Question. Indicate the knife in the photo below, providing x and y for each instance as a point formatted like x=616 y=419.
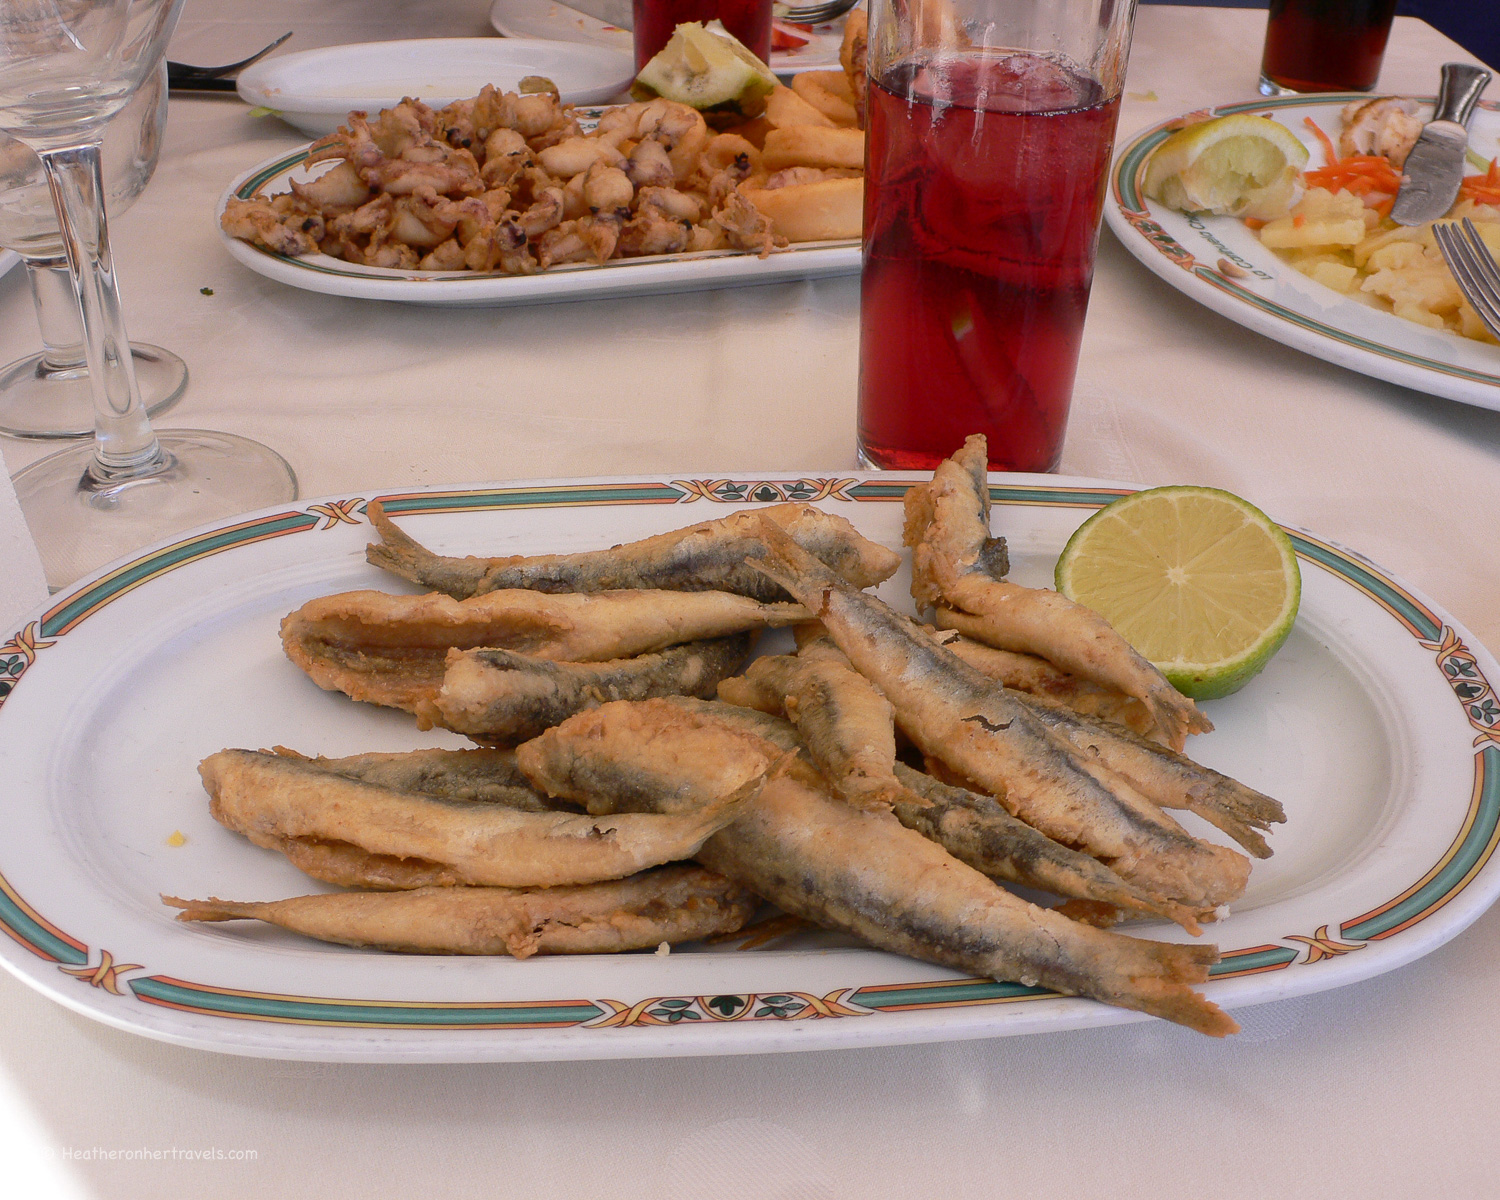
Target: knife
x=1435 y=166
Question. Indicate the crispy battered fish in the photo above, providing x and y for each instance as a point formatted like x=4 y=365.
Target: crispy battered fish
x=1169 y=779
x=706 y=557
x=500 y=696
x=1036 y=676
x=393 y=650
x=845 y=868
x=963 y=719
x=673 y=904
x=948 y=530
x=485 y=776
x=847 y=726
x=271 y=798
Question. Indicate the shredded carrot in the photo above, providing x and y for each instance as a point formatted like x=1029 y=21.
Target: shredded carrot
x=1333 y=155
x=1299 y=220
x=1383 y=207
x=1253 y=222
x=1358 y=173
x=1483 y=189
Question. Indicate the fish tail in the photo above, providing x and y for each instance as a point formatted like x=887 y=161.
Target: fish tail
x=1165 y=988
x=396 y=552
x=213 y=909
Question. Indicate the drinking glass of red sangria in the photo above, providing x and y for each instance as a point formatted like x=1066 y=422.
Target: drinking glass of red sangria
x=990 y=125
x=1324 y=45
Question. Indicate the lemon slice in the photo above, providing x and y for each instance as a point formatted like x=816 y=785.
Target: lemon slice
x=1236 y=166
x=708 y=68
x=1201 y=582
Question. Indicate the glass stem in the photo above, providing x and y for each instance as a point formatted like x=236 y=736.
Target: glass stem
x=124 y=446
x=56 y=313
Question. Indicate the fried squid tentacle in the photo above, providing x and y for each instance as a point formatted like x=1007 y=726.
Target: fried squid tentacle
x=502 y=697
x=673 y=904
x=706 y=557
x=948 y=531
x=270 y=799
x=977 y=729
x=855 y=870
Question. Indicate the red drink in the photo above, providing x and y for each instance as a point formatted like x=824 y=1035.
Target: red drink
x=748 y=20
x=1325 y=45
x=983 y=193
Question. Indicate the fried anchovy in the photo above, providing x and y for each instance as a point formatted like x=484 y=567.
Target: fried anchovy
x=979 y=730
x=706 y=557
x=847 y=726
x=503 y=697
x=485 y=776
x=269 y=799
x=1170 y=779
x=393 y=650
x=1036 y=676
x=855 y=870
x=673 y=904
x=948 y=527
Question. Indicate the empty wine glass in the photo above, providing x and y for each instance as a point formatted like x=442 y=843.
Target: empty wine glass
x=46 y=395
x=67 y=67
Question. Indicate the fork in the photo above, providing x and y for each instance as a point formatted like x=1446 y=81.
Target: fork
x=180 y=76
x=1474 y=268
x=814 y=14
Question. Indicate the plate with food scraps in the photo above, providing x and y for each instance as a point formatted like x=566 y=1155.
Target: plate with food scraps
x=649 y=275
x=1221 y=263
x=795 y=48
x=314 y=90
x=1377 y=726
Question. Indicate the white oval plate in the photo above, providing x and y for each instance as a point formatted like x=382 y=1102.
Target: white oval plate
x=1377 y=727
x=571 y=281
x=550 y=19
x=314 y=90
x=1280 y=302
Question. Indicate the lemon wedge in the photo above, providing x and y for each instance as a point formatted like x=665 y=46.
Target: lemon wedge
x=708 y=68
x=1236 y=166
x=1200 y=582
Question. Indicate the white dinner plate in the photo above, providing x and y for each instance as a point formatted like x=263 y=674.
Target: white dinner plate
x=1377 y=726
x=571 y=281
x=315 y=90
x=559 y=22
x=1275 y=300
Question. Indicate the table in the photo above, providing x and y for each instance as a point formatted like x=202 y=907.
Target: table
x=1382 y=1089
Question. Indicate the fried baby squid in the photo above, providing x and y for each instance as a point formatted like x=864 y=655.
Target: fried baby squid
x=271 y=799
x=948 y=530
x=393 y=650
x=1038 y=677
x=984 y=735
x=862 y=872
x=705 y=557
x=1169 y=779
x=503 y=697
x=847 y=726
x=672 y=904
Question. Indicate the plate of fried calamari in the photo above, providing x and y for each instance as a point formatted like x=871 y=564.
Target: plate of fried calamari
x=665 y=766
x=517 y=198
x=1334 y=277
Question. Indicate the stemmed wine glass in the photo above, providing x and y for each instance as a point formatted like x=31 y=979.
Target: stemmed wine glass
x=67 y=67
x=46 y=395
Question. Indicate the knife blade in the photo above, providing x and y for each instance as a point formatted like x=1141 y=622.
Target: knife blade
x=1435 y=167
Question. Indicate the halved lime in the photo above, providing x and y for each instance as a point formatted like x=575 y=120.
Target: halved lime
x=1202 y=583
x=708 y=68
x=1238 y=166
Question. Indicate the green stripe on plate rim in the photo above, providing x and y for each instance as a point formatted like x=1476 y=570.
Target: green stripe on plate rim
x=1127 y=192
x=1431 y=895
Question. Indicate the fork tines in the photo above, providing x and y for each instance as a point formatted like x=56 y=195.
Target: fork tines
x=1474 y=268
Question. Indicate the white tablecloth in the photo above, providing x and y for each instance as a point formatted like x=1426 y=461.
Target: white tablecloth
x=1382 y=1089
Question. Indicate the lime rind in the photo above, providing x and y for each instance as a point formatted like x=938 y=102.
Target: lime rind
x=1087 y=557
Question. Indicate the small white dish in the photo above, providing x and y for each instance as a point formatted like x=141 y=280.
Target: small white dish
x=1271 y=297
x=315 y=90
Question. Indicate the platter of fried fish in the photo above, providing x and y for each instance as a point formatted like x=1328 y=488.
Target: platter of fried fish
x=661 y=766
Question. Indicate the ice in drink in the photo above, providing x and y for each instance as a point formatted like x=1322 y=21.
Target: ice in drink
x=1325 y=45
x=984 y=186
x=748 y=20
